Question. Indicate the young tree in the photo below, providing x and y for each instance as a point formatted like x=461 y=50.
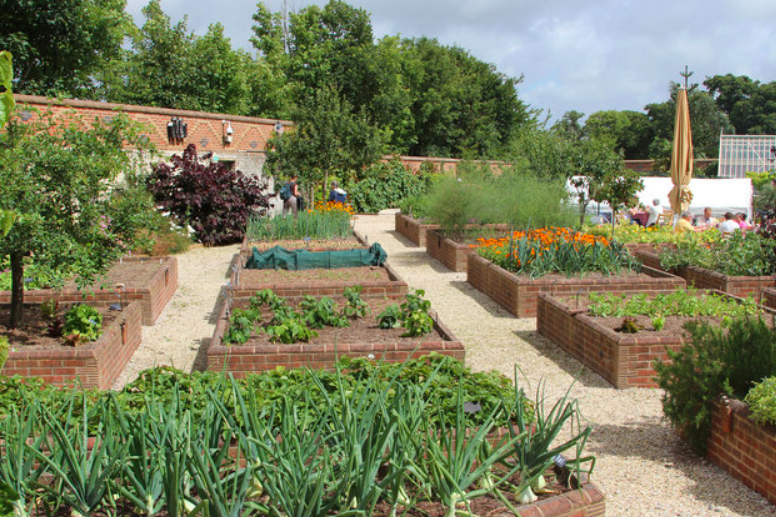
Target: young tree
x=595 y=164
x=57 y=176
x=618 y=190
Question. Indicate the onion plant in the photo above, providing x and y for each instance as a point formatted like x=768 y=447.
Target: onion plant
x=19 y=470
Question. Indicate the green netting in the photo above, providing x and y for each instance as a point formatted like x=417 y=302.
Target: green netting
x=281 y=258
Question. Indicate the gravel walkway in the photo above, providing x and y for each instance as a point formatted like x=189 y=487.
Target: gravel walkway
x=644 y=469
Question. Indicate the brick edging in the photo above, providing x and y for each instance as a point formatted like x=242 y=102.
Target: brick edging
x=97 y=367
x=454 y=255
x=413 y=229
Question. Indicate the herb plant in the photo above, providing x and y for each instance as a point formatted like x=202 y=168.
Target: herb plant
x=355 y=306
x=391 y=317
x=741 y=254
x=685 y=303
x=83 y=323
x=322 y=313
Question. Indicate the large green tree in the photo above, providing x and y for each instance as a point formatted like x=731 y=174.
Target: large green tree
x=631 y=131
x=61 y=45
x=57 y=177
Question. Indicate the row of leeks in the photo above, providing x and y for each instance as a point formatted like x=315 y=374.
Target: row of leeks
x=342 y=459
x=316 y=225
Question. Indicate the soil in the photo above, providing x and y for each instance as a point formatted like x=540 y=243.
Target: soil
x=624 y=273
x=674 y=325
x=304 y=277
x=131 y=273
x=361 y=330
x=313 y=245
x=33 y=334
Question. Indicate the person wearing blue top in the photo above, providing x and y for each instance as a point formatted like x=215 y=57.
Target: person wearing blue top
x=336 y=194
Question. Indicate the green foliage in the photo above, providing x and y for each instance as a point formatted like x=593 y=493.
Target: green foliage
x=715 y=361
x=391 y=317
x=315 y=224
x=635 y=234
x=60 y=176
x=385 y=185
x=321 y=313
x=4 y=348
x=60 y=46
x=685 y=303
x=630 y=130
x=355 y=306
x=741 y=254
x=629 y=326
x=7 y=102
x=453 y=204
x=83 y=323
x=762 y=401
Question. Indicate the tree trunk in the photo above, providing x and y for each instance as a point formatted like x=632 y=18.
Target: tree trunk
x=17 y=290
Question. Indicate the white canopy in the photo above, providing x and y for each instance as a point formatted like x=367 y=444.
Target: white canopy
x=721 y=195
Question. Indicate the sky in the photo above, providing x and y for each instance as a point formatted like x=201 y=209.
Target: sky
x=583 y=55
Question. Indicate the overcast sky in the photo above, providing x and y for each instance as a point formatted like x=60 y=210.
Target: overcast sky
x=585 y=55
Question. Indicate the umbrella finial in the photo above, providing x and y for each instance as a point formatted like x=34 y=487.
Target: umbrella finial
x=686 y=74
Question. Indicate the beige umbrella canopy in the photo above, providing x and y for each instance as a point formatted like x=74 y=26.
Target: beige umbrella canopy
x=681 y=156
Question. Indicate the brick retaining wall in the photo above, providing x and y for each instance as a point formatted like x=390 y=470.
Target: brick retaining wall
x=517 y=294
x=98 y=367
x=153 y=297
x=588 y=501
x=740 y=286
x=743 y=448
x=242 y=359
x=413 y=229
x=452 y=254
x=768 y=297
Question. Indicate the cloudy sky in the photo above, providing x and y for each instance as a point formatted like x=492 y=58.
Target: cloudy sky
x=586 y=55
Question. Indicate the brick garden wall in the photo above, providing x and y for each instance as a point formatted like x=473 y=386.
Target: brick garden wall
x=518 y=294
x=413 y=229
x=97 y=367
x=452 y=254
x=743 y=448
x=769 y=297
x=152 y=297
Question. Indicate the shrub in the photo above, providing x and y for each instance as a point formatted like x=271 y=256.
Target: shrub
x=762 y=401
x=715 y=361
x=214 y=201
x=385 y=185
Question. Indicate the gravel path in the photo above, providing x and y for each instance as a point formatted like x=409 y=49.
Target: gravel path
x=182 y=333
x=644 y=469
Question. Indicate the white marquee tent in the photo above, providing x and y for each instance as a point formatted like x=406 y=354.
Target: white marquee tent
x=722 y=195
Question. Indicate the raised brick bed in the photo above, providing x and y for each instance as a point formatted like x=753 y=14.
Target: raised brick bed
x=413 y=229
x=247 y=246
x=768 y=297
x=153 y=296
x=587 y=501
x=517 y=294
x=742 y=447
x=454 y=255
x=624 y=360
x=650 y=247
x=240 y=289
x=96 y=367
x=242 y=359
x=741 y=286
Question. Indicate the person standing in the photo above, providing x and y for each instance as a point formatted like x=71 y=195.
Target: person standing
x=654 y=212
x=336 y=194
x=291 y=195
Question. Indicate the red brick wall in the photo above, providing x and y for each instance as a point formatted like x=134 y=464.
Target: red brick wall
x=412 y=229
x=769 y=297
x=241 y=360
x=152 y=297
x=249 y=133
x=518 y=294
x=452 y=254
x=97 y=367
x=743 y=448
x=587 y=501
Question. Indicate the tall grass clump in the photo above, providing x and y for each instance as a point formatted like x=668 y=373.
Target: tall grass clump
x=313 y=224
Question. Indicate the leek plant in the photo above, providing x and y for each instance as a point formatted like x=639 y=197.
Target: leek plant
x=532 y=447
x=85 y=474
x=452 y=459
x=18 y=470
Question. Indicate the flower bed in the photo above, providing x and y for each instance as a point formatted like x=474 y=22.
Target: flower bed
x=153 y=292
x=413 y=229
x=626 y=360
x=518 y=294
x=95 y=366
x=743 y=448
x=701 y=278
x=454 y=255
x=258 y=354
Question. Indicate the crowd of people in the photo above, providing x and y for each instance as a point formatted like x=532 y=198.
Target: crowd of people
x=650 y=216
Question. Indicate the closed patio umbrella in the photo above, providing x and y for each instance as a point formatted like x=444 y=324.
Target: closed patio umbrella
x=681 y=156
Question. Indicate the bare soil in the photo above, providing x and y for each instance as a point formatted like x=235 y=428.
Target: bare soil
x=312 y=245
x=302 y=277
x=34 y=335
x=133 y=274
x=361 y=330
x=674 y=325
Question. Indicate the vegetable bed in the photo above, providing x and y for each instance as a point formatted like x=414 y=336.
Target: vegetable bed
x=620 y=336
x=151 y=281
x=96 y=364
x=269 y=331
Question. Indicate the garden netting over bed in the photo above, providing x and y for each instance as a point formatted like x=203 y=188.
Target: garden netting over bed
x=281 y=258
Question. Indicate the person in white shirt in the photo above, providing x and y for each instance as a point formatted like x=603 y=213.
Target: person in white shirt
x=706 y=220
x=729 y=225
x=654 y=212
